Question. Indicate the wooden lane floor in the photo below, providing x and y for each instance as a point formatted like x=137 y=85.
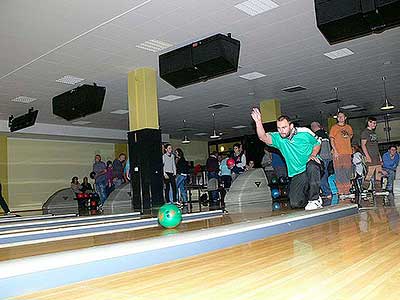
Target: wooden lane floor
x=357 y=257
x=14 y=252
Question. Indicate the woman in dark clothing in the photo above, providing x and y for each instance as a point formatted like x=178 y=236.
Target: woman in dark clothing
x=86 y=186
x=182 y=169
x=3 y=202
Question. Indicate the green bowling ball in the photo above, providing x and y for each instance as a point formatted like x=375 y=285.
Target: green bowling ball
x=169 y=216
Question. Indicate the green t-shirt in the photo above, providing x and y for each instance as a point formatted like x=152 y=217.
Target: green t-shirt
x=296 y=150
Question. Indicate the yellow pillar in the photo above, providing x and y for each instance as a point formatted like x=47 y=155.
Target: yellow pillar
x=142 y=99
x=120 y=148
x=4 y=166
x=270 y=110
x=331 y=121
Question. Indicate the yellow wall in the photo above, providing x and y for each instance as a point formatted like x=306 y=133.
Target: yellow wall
x=4 y=166
x=38 y=168
x=196 y=151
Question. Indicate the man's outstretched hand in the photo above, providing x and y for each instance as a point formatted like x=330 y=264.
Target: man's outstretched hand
x=256 y=115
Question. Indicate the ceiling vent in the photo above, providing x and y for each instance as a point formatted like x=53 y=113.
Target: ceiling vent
x=218 y=106
x=330 y=101
x=292 y=89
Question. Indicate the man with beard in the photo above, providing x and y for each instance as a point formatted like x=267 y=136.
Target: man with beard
x=299 y=146
x=369 y=145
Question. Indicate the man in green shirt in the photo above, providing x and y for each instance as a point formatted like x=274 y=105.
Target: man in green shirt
x=299 y=146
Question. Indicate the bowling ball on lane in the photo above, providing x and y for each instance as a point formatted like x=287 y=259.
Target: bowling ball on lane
x=169 y=216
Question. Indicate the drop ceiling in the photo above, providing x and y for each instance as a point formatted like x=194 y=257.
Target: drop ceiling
x=44 y=40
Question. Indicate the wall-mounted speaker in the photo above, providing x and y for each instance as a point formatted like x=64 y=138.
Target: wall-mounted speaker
x=79 y=102
x=200 y=61
x=341 y=20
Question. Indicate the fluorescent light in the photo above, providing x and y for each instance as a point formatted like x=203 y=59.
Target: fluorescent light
x=69 y=79
x=339 y=53
x=120 y=112
x=239 y=127
x=350 y=106
x=185 y=140
x=214 y=135
x=252 y=75
x=201 y=133
x=81 y=122
x=23 y=99
x=171 y=98
x=256 y=7
x=154 y=45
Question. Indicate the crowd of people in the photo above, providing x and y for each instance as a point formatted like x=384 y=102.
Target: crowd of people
x=106 y=175
x=312 y=156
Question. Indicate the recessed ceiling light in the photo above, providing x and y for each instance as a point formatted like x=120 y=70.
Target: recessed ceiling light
x=171 y=98
x=350 y=106
x=339 y=53
x=120 y=111
x=81 y=122
x=218 y=105
x=330 y=101
x=201 y=133
x=252 y=75
x=69 y=79
x=23 y=99
x=292 y=89
x=358 y=109
x=239 y=127
x=154 y=45
x=256 y=7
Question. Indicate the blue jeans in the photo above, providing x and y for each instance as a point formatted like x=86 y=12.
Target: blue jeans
x=101 y=190
x=180 y=184
x=390 y=179
x=326 y=191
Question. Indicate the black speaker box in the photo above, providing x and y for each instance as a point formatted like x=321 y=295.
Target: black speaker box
x=79 y=102
x=341 y=20
x=23 y=121
x=200 y=61
x=146 y=168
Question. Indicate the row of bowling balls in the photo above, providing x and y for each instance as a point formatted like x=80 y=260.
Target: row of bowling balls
x=279 y=192
x=283 y=180
x=279 y=205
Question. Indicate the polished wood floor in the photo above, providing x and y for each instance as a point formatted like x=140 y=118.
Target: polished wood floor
x=353 y=258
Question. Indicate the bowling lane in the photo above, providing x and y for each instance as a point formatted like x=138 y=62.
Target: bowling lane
x=252 y=213
x=352 y=258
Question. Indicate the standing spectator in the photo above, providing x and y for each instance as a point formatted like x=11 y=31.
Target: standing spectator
x=100 y=169
x=169 y=173
x=118 y=170
x=109 y=178
x=240 y=161
x=360 y=169
x=182 y=170
x=86 y=186
x=390 y=163
x=369 y=144
x=3 y=202
x=127 y=171
x=75 y=186
x=325 y=154
x=266 y=163
x=225 y=172
x=341 y=135
x=212 y=166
